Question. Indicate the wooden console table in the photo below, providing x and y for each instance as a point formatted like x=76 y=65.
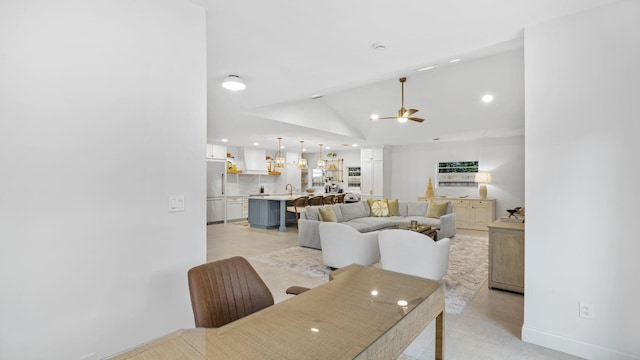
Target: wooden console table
x=506 y=256
x=362 y=313
x=471 y=213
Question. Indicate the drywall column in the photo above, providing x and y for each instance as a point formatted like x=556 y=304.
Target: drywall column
x=581 y=129
x=102 y=118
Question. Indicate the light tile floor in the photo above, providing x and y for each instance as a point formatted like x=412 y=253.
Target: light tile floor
x=489 y=328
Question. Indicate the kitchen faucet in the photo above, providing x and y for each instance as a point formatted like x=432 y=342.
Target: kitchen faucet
x=290 y=188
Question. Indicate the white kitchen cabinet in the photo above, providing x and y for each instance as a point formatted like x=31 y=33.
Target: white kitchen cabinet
x=375 y=174
x=235 y=210
x=372 y=154
x=215 y=210
x=216 y=151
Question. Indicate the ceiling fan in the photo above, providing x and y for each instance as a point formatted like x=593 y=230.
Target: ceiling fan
x=405 y=114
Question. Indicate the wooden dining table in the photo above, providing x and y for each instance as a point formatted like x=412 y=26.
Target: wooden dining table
x=362 y=313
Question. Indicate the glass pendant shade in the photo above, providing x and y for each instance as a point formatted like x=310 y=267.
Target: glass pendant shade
x=321 y=162
x=279 y=160
x=302 y=162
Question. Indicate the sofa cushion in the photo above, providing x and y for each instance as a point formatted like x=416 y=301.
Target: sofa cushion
x=327 y=214
x=417 y=208
x=368 y=224
x=353 y=210
x=337 y=212
x=402 y=209
x=394 y=208
x=313 y=213
x=379 y=208
x=436 y=209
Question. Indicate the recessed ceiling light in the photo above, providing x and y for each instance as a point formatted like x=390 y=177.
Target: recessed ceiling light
x=380 y=45
x=487 y=98
x=428 y=67
x=454 y=61
x=256 y=144
x=327 y=147
x=233 y=83
x=355 y=145
x=281 y=146
x=375 y=116
x=316 y=96
x=224 y=140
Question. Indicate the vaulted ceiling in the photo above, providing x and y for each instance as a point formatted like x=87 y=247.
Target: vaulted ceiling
x=287 y=50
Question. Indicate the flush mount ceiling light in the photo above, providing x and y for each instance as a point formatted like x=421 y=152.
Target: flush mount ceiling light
x=487 y=98
x=302 y=162
x=233 y=83
x=279 y=159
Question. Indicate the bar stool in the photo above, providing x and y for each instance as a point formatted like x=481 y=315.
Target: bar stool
x=328 y=199
x=297 y=206
x=315 y=200
x=339 y=199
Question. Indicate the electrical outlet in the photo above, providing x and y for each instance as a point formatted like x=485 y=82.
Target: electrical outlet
x=586 y=310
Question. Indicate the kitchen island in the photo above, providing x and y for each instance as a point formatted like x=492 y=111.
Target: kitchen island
x=269 y=211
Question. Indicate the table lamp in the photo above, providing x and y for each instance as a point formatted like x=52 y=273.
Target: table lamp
x=483 y=178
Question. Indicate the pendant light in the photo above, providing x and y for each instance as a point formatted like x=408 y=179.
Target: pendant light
x=321 y=162
x=302 y=162
x=280 y=162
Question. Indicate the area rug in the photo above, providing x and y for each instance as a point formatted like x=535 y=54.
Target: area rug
x=468 y=263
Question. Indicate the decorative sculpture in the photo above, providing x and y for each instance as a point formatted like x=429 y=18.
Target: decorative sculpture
x=429 y=194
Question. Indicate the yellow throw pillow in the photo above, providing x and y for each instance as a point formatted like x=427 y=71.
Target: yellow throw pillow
x=327 y=214
x=379 y=208
x=394 y=209
x=435 y=210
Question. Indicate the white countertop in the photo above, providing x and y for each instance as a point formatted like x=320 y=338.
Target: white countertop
x=276 y=197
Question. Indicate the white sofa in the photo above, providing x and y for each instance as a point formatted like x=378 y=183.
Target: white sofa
x=357 y=216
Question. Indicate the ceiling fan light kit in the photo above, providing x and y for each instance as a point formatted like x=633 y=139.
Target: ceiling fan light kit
x=404 y=114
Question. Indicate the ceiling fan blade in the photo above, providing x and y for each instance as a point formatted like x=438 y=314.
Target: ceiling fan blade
x=411 y=112
x=391 y=117
x=416 y=119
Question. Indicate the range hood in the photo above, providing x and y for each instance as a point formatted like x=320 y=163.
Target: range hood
x=254 y=161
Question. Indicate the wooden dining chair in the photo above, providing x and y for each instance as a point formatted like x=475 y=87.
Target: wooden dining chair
x=339 y=199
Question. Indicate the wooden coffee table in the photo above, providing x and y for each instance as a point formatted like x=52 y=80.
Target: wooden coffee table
x=423 y=229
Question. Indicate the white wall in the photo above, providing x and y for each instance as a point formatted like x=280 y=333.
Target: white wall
x=582 y=125
x=102 y=116
x=412 y=165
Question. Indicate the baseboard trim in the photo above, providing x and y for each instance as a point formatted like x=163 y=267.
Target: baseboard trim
x=572 y=346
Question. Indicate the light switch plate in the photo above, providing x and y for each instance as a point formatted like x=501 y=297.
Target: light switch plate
x=176 y=203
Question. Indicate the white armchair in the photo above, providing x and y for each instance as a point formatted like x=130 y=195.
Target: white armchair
x=413 y=253
x=343 y=245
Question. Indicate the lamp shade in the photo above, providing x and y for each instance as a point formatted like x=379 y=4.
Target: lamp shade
x=483 y=177
x=233 y=83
